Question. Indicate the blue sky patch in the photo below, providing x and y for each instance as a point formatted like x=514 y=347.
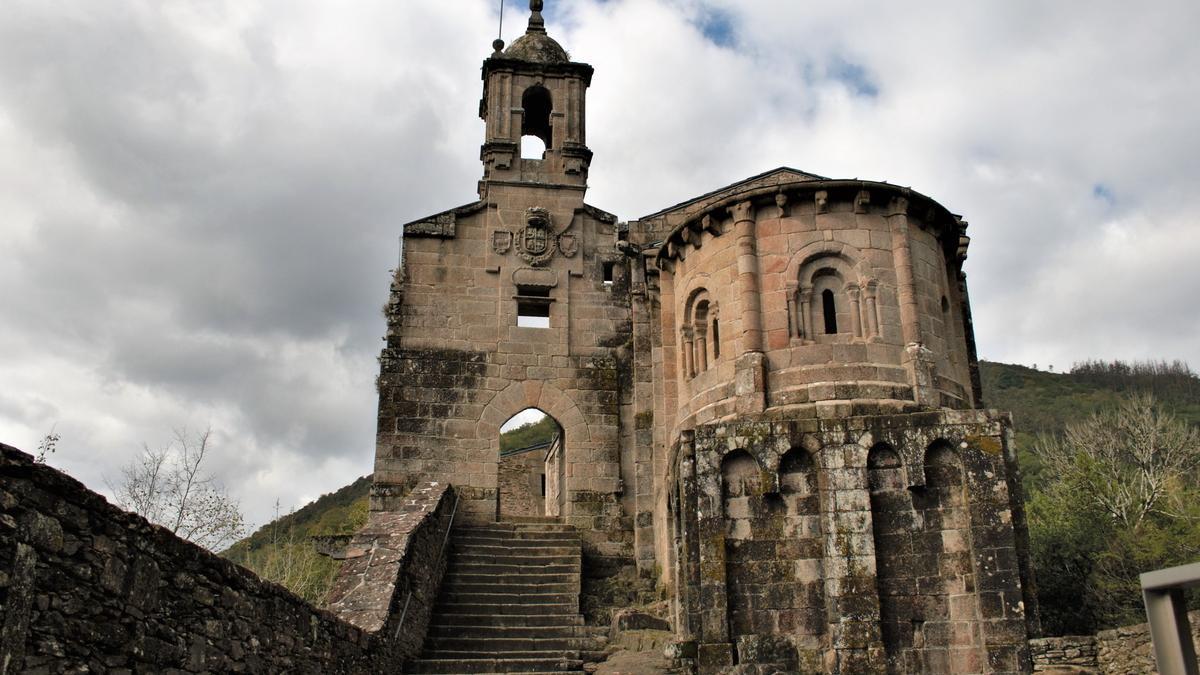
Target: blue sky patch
x=717 y=26
x=854 y=76
x=1104 y=193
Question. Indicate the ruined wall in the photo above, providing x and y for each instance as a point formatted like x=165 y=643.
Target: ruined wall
x=86 y=586
x=862 y=544
x=523 y=483
x=392 y=571
x=1119 y=651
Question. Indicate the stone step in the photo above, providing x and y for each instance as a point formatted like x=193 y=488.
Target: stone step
x=501 y=586
x=546 y=664
x=489 y=620
x=499 y=548
x=532 y=519
x=491 y=567
x=451 y=597
x=449 y=630
x=511 y=529
x=527 y=577
x=506 y=645
x=516 y=532
x=448 y=608
x=471 y=655
x=514 y=543
x=511 y=558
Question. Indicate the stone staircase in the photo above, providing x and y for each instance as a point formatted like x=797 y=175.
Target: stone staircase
x=510 y=603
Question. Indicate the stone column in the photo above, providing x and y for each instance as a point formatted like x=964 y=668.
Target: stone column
x=850 y=572
x=714 y=650
x=750 y=379
x=747 y=267
x=795 y=328
x=917 y=358
x=806 y=314
x=701 y=349
x=872 y=312
x=689 y=367
x=688 y=555
x=855 y=310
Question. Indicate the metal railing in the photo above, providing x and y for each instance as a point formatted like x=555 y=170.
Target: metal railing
x=1166 y=610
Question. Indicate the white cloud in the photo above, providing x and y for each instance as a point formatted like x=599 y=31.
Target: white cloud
x=201 y=201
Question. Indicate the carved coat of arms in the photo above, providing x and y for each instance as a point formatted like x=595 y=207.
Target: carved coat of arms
x=535 y=243
x=501 y=241
x=567 y=245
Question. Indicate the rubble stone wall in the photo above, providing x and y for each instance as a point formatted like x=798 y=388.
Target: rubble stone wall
x=85 y=586
x=1121 y=651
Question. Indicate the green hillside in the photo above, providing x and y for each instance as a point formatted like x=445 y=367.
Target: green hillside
x=281 y=550
x=1044 y=403
x=1086 y=559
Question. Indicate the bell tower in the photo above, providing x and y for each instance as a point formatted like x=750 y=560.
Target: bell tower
x=534 y=109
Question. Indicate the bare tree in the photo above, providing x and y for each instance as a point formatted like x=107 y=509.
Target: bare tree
x=169 y=487
x=47 y=446
x=1129 y=461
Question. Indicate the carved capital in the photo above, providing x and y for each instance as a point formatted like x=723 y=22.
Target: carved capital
x=781 y=200
x=742 y=211
x=898 y=207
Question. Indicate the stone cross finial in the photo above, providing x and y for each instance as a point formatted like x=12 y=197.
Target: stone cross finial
x=536 y=23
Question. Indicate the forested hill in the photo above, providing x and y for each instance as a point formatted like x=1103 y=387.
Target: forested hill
x=1043 y=403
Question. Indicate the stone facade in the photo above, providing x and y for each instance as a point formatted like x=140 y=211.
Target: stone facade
x=768 y=394
x=87 y=587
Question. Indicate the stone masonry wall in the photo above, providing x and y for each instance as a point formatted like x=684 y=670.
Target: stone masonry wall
x=1120 y=651
x=459 y=363
x=393 y=569
x=87 y=587
x=522 y=483
x=863 y=544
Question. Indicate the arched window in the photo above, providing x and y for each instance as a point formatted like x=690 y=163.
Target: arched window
x=834 y=301
x=829 y=312
x=696 y=340
x=535 y=122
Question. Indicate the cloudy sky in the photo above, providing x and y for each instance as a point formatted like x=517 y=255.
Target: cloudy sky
x=200 y=200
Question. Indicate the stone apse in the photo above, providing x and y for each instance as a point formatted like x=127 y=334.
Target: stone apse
x=768 y=395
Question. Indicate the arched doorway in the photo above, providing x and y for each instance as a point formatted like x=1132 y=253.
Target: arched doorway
x=532 y=470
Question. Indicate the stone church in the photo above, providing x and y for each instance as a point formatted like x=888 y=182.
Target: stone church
x=768 y=396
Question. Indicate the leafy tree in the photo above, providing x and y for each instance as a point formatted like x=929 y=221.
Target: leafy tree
x=169 y=487
x=1121 y=497
x=1124 y=460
